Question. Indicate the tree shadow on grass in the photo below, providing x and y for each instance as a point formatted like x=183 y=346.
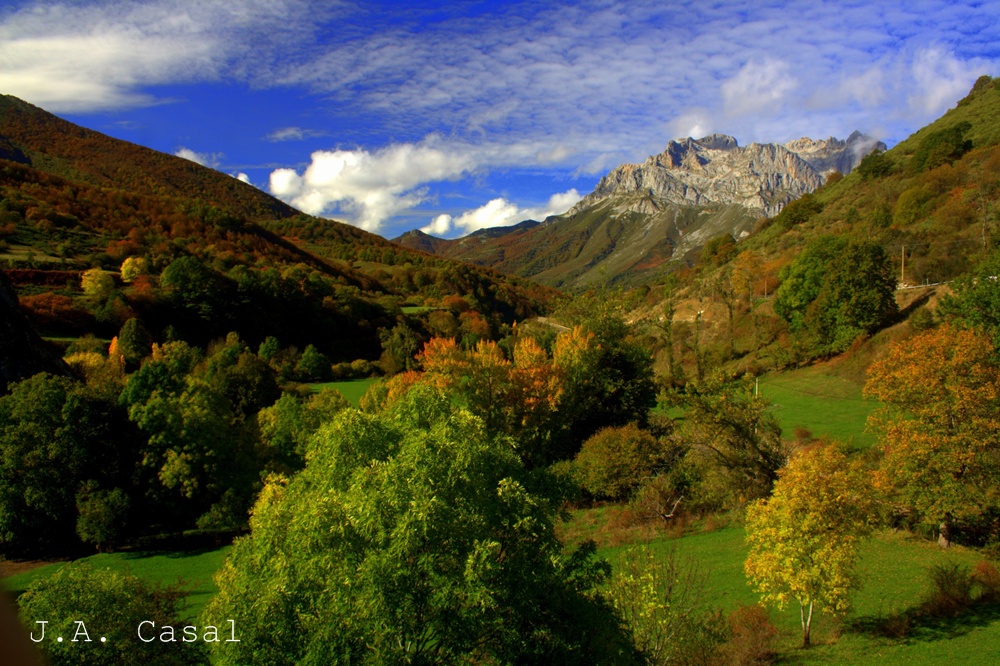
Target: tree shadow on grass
x=917 y=625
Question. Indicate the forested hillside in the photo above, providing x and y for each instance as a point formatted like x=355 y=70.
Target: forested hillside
x=194 y=254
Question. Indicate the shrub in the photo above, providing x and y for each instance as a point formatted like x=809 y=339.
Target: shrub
x=922 y=320
x=110 y=604
x=987 y=577
x=659 y=598
x=615 y=461
x=951 y=591
x=751 y=637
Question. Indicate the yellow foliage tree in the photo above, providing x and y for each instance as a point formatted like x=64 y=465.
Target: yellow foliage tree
x=804 y=539
x=940 y=427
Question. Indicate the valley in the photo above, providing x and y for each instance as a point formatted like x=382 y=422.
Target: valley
x=695 y=419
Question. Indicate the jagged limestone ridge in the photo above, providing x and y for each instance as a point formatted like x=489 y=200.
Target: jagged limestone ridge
x=715 y=170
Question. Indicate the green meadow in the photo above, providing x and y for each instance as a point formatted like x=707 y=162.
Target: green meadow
x=192 y=570
x=352 y=389
x=895 y=579
x=820 y=401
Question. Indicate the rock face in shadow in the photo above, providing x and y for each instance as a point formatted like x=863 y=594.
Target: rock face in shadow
x=22 y=352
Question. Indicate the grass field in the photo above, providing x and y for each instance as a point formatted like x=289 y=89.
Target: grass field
x=894 y=569
x=824 y=403
x=352 y=389
x=193 y=570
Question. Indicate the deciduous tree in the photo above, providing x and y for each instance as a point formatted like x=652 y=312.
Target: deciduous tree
x=804 y=538
x=411 y=536
x=940 y=427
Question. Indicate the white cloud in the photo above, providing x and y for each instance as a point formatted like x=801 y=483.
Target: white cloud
x=694 y=123
x=103 y=55
x=439 y=226
x=210 y=160
x=243 y=178
x=370 y=187
x=500 y=212
x=760 y=85
x=294 y=134
x=941 y=80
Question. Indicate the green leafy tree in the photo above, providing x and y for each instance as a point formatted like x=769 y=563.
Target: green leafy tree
x=616 y=461
x=287 y=426
x=400 y=346
x=103 y=515
x=737 y=433
x=196 y=288
x=134 y=342
x=133 y=267
x=111 y=605
x=194 y=454
x=607 y=379
x=803 y=279
x=56 y=436
x=269 y=348
x=97 y=284
x=804 y=538
x=313 y=365
x=411 y=536
x=836 y=290
x=975 y=300
x=875 y=165
x=942 y=147
x=858 y=295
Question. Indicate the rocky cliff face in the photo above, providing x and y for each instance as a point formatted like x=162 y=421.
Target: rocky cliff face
x=716 y=171
x=829 y=155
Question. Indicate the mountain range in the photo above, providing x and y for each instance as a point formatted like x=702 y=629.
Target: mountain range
x=640 y=216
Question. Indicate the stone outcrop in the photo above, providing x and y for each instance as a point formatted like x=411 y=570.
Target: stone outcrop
x=716 y=171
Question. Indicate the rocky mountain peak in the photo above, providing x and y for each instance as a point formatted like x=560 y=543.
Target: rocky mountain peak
x=831 y=154
x=716 y=170
x=718 y=142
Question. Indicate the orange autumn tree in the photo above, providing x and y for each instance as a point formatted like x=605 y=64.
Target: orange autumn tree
x=940 y=427
x=517 y=398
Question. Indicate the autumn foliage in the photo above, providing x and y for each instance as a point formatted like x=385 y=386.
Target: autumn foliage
x=940 y=428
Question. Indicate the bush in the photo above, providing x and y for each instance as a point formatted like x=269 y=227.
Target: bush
x=951 y=591
x=751 y=637
x=986 y=576
x=922 y=320
x=110 y=604
x=659 y=598
x=616 y=461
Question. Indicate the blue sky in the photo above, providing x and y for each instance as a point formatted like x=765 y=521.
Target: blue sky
x=455 y=116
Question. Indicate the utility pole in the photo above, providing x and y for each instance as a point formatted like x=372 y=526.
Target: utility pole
x=902 y=265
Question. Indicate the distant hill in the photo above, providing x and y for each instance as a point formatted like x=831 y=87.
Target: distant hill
x=72 y=199
x=642 y=215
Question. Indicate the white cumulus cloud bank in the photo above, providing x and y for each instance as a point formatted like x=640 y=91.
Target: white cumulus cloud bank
x=500 y=212
x=370 y=187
